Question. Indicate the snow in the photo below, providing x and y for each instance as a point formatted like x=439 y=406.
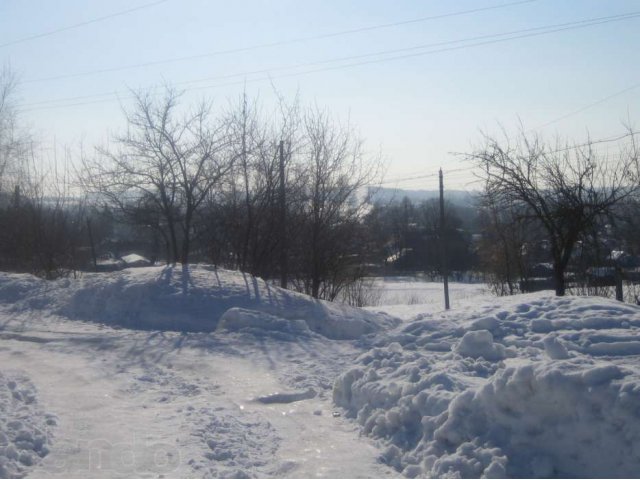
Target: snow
x=135 y=260
x=238 y=392
x=479 y=343
x=25 y=429
x=186 y=300
x=240 y=319
x=408 y=296
x=530 y=386
x=203 y=372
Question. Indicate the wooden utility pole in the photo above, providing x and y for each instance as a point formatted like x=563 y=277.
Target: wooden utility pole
x=283 y=221
x=443 y=246
x=93 y=247
x=619 y=290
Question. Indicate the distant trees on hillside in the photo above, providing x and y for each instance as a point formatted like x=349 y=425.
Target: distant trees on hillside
x=408 y=234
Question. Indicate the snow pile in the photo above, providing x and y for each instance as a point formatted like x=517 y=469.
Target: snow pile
x=191 y=299
x=480 y=343
x=532 y=386
x=24 y=429
x=236 y=319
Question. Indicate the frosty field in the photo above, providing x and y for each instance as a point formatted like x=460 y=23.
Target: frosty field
x=209 y=373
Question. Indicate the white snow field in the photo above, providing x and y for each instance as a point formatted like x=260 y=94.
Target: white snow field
x=408 y=296
x=199 y=372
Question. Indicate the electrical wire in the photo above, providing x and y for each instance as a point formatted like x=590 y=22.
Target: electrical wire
x=275 y=44
x=81 y=24
x=111 y=96
x=415 y=177
x=614 y=138
x=586 y=107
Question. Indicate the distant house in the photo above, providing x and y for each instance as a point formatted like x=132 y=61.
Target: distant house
x=541 y=270
x=112 y=263
x=135 y=260
x=109 y=264
x=624 y=259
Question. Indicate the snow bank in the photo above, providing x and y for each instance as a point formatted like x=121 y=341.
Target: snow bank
x=24 y=429
x=480 y=343
x=190 y=299
x=487 y=392
x=240 y=319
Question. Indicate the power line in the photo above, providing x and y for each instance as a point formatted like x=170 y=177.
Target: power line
x=415 y=177
x=586 y=107
x=421 y=173
x=591 y=143
x=111 y=96
x=278 y=43
x=596 y=142
x=459 y=174
x=356 y=57
x=81 y=24
x=565 y=26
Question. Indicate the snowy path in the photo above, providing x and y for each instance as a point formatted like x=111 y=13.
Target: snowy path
x=313 y=443
x=150 y=404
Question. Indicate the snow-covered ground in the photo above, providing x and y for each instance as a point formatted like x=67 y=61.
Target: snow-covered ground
x=249 y=398
x=406 y=297
x=527 y=386
x=208 y=373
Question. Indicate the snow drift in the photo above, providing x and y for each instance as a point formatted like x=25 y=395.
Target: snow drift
x=188 y=299
x=533 y=386
x=25 y=430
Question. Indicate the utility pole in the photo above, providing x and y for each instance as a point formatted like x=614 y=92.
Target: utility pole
x=93 y=248
x=283 y=221
x=443 y=246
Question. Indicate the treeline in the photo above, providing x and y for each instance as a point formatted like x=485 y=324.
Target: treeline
x=408 y=235
x=278 y=194
x=285 y=194
x=41 y=230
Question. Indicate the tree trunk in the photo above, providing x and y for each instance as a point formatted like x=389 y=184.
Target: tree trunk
x=186 y=241
x=184 y=259
x=315 y=286
x=174 y=242
x=558 y=275
x=93 y=248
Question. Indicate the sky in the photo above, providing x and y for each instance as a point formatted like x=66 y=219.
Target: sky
x=444 y=81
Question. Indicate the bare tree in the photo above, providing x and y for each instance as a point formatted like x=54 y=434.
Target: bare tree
x=503 y=244
x=247 y=141
x=337 y=170
x=7 y=121
x=566 y=189
x=15 y=142
x=164 y=159
x=39 y=231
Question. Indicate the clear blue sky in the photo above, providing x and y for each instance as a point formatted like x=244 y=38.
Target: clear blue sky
x=416 y=109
